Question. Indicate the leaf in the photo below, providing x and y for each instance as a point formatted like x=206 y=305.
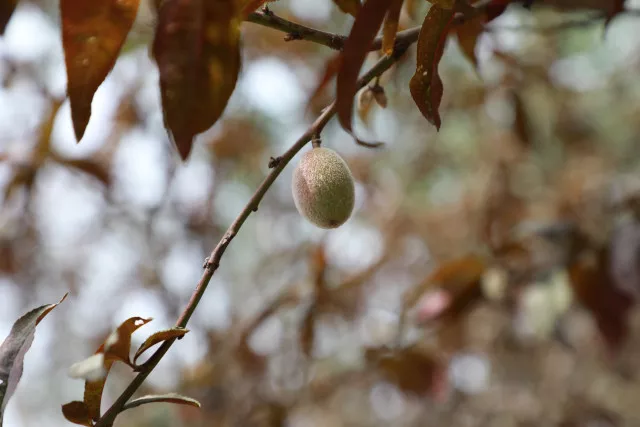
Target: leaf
x=354 y=53
x=352 y=7
x=93 y=33
x=77 y=413
x=330 y=70
x=307 y=331
x=166 y=398
x=197 y=49
x=116 y=347
x=159 y=337
x=411 y=369
x=522 y=125
x=596 y=290
x=468 y=33
x=6 y=10
x=15 y=347
x=390 y=27
x=426 y=85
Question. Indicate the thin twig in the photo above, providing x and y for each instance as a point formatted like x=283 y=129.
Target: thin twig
x=213 y=261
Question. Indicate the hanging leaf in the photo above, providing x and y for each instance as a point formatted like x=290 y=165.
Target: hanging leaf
x=352 y=7
x=15 y=347
x=426 y=85
x=330 y=70
x=355 y=50
x=197 y=48
x=390 y=28
x=159 y=337
x=307 y=332
x=162 y=398
x=6 y=10
x=77 y=413
x=93 y=33
x=468 y=34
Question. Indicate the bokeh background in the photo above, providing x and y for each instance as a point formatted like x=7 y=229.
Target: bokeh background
x=540 y=140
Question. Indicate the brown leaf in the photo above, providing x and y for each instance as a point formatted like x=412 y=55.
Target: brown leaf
x=460 y=283
x=595 y=289
x=77 y=413
x=390 y=27
x=426 y=85
x=116 y=347
x=352 y=7
x=468 y=33
x=354 y=53
x=14 y=348
x=159 y=337
x=197 y=48
x=93 y=33
x=522 y=125
x=411 y=369
x=307 y=332
x=166 y=398
x=330 y=70
x=6 y=10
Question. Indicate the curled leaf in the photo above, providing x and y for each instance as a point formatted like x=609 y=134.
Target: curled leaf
x=166 y=398
x=197 y=49
x=426 y=85
x=93 y=33
x=15 y=347
x=159 y=337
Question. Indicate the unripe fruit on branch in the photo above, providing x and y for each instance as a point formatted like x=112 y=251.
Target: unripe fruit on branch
x=323 y=188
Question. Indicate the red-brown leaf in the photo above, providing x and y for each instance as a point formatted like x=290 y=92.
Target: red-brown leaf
x=468 y=34
x=77 y=413
x=115 y=348
x=197 y=48
x=163 y=398
x=426 y=85
x=390 y=27
x=92 y=35
x=6 y=10
x=355 y=50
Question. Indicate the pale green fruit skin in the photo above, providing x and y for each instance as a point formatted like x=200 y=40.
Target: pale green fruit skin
x=323 y=188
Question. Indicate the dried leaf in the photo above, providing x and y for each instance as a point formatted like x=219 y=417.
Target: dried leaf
x=522 y=125
x=197 y=48
x=93 y=33
x=468 y=33
x=15 y=347
x=159 y=337
x=411 y=369
x=354 y=53
x=116 y=347
x=390 y=27
x=460 y=283
x=352 y=7
x=77 y=413
x=426 y=85
x=166 y=398
x=307 y=332
x=6 y=10
x=380 y=96
x=365 y=102
x=595 y=289
x=330 y=70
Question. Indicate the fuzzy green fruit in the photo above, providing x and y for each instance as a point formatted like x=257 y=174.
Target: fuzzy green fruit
x=323 y=188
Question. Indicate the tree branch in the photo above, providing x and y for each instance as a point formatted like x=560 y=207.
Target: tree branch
x=213 y=261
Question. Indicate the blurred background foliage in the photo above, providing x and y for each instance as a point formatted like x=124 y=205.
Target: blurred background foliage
x=488 y=276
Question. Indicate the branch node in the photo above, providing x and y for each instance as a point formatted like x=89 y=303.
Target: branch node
x=316 y=141
x=294 y=35
x=274 y=162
